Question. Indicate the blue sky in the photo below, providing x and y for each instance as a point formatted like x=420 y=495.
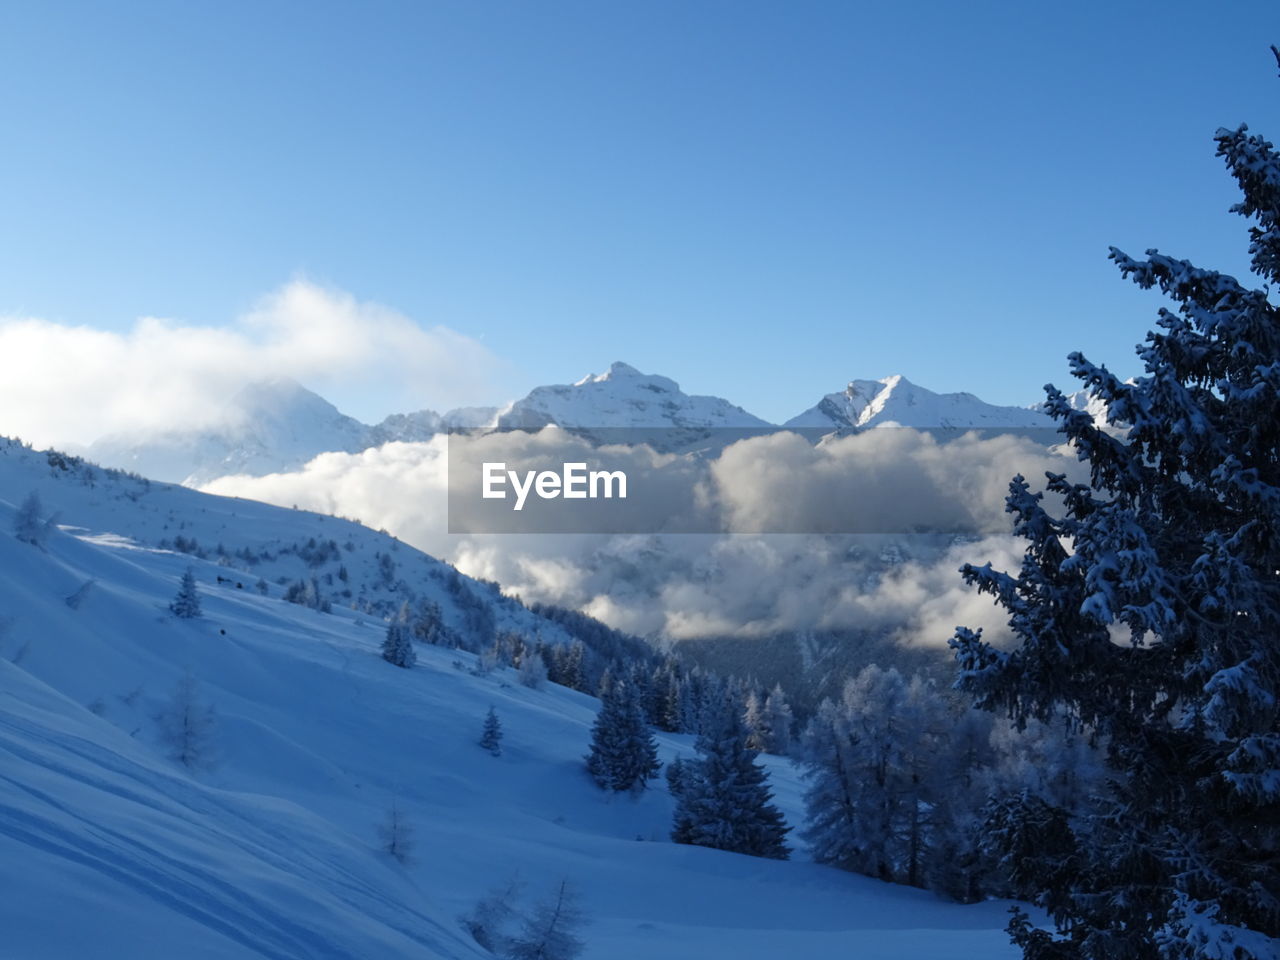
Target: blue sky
x=760 y=200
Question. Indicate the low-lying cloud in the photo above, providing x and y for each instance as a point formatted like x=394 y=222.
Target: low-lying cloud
x=897 y=582
x=68 y=384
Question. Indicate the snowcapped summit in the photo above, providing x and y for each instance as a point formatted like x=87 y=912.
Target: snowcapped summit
x=623 y=397
x=618 y=371
x=896 y=400
x=284 y=412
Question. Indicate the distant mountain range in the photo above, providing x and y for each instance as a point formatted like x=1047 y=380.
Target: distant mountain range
x=278 y=425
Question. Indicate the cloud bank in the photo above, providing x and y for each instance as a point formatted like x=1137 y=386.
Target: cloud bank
x=73 y=384
x=684 y=586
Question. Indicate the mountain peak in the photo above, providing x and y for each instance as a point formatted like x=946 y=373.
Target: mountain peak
x=896 y=400
x=278 y=397
x=617 y=371
x=623 y=396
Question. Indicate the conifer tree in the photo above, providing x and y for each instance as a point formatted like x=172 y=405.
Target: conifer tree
x=491 y=736
x=624 y=755
x=187 y=602
x=777 y=711
x=759 y=731
x=723 y=799
x=1148 y=611
x=397 y=646
x=574 y=669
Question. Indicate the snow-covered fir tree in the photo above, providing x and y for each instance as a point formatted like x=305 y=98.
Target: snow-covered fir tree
x=397 y=646
x=759 y=732
x=723 y=798
x=491 y=734
x=624 y=755
x=566 y=665
x=769 y=720
x=780 y=719
x=186 y=604
x=672 y=703
x=1148 y=612
x=551 y=930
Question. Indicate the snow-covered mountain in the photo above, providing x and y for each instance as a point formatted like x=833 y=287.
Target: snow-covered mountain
x=1096 y=407
x=264 y=838
x=896 y=400
x=278 y=426
x=624 y=397
x=267 y=427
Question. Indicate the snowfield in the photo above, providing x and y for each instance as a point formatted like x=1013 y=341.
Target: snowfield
x=268 y=844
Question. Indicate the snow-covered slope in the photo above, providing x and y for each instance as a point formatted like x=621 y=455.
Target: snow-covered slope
x=340 y=561
x=268 y=845
x=896 y=400
x=624 y=397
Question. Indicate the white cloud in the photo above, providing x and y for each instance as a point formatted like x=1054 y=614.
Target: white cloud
x=72 y=384
x=746 y=584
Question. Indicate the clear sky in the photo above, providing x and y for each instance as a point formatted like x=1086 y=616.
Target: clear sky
x=761 y=200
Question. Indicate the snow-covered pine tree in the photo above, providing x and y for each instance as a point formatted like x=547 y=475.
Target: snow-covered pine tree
x=1149 y=610
x=759 y=732
x=551 y=931
x=27 y=525
x=573 y=671
x=672 y=698
x=187 y=602
x=777 y=710
x=491 y=735
x=397 y=646
x=724 y=799
x=624 y=755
